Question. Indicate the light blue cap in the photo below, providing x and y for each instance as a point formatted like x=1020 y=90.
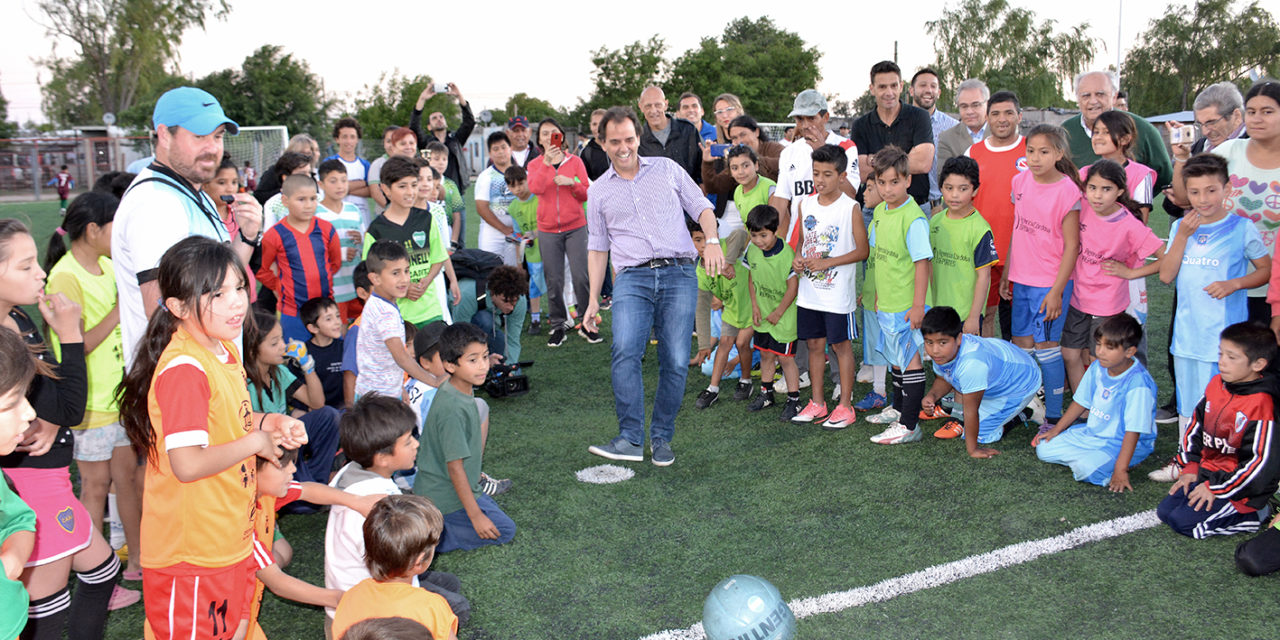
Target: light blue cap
x=195 y=110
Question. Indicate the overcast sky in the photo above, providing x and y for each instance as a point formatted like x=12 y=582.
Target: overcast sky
x=496 y=49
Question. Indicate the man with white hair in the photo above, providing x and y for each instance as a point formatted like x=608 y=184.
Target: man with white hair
x=1096 y=93
x=971 y=103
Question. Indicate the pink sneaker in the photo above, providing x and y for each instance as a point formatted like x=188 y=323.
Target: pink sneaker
x=122 y=597
x=811 y=412
x=840 y=418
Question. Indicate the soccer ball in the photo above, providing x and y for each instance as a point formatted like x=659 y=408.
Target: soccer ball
x=747 y=607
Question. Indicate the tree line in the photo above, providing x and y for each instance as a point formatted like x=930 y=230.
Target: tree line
x=127 y=57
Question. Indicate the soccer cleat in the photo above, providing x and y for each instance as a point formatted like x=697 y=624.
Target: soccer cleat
x=812 y=411
x=897 y=433
x=742 y=391
x=706 y=398
x=606 y=303
x=780 y=385
x=871 y=401
x=122 y=597
x=762 y=400
x=556 y=338
x=1167 y=473
x=592 y=337
x=1166 y=415
x=950 y=429
x=865 y=374
x=491 y=486
x=661 y=454
x=1037 y=414
x=619 y=449
x=888 y=416
x=790 y=410
x=840 y=418
x=938 y=413
x=535 y=328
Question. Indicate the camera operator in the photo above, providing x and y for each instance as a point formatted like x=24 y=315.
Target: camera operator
x=498 y=305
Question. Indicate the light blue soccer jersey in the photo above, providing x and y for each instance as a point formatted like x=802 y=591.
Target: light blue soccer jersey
x=1213 y=254
x=1119 y=405
x=993 y=366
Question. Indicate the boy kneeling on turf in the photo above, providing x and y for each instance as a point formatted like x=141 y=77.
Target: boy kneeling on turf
x=1120 y=397
x=1228 y=454
x=993 y=379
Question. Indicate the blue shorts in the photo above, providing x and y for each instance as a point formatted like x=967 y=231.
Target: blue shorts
x=537 y=281
x=899 y=343
x=1028 y=320
x=832 y=327
x=995 y=412
x=871 y=339
x=1090 y=458
x=1193 y=378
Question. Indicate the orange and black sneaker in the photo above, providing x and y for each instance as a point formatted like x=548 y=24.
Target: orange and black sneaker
x=938 y=413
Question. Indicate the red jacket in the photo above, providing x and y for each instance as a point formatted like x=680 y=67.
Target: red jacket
x=1232 y=442
x=559 y=208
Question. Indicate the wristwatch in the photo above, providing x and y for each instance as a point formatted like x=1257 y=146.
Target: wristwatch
x=253 y=243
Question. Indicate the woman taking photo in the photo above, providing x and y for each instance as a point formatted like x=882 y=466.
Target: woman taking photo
x=559 y=180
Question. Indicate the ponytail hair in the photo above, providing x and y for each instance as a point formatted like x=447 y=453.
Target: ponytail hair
x=256 y=329
x=1114 y=173
x=90 y=207
x=189 y=271
x=1057 y=137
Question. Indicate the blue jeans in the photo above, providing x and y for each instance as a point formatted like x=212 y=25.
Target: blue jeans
x=460 y=535
x=659 y=301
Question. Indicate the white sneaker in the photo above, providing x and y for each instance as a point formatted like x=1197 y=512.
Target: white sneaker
x=865 y=374
x=835 y=393
x=888 y=416
x=1037 y=410
x=780 y=385
x=897 y=433
x=1167 y=473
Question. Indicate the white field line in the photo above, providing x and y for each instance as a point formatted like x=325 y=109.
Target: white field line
x=942 y=574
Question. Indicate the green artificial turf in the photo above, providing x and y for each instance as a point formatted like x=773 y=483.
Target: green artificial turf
x=811 y=511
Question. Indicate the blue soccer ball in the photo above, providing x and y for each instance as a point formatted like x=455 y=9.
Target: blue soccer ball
x=747 y=607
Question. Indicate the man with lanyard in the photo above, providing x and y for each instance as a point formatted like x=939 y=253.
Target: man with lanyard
x=925 y=90
x=165 y=204
x=1096 y=93
x=971 y=102
x=635 y=212
x=893 y=122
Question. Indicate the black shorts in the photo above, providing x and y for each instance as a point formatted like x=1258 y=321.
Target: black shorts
x=832 y=327
x=765 y=342
x=1078 y=329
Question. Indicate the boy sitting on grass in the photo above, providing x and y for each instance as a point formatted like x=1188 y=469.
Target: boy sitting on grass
x=994 y=380
x=271 y=552
x=449 y=462
x=400 y=538
x=1228 y=453
x=1120 y=397
x=772 y=283
x=377 y=436
x=323 y=319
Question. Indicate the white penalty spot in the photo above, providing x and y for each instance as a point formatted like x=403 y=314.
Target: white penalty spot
x=605 y=474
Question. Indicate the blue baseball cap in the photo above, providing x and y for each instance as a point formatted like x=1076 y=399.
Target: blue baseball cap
x=195 y=110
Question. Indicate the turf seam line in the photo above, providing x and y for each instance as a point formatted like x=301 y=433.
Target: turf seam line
x=947 y=573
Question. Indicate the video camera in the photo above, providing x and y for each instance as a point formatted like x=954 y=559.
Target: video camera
x=504 y=380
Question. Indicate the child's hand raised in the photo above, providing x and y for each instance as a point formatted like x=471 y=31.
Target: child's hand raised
x=298 y=352
x=287 y=432
x=1189 y=224
x=62 y=315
